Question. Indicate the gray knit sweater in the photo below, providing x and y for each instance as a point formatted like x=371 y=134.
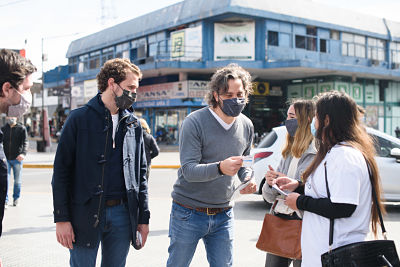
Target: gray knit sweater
x=203 y=142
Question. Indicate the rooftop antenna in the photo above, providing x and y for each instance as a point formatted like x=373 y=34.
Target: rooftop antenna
x=107 y=12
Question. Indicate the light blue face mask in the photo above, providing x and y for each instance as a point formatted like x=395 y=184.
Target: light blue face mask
x=312 y=127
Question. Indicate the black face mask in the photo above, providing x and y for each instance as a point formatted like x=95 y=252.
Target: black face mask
x=126 y=100
x=232 y=107
x=291 y=126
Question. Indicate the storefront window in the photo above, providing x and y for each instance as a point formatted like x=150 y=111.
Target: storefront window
x=167 y=124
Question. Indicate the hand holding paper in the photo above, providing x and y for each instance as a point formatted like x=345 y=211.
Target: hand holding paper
x=279 y=190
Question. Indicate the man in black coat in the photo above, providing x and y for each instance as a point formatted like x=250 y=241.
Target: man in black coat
x=99 y=180
x=15 y=100
x=15 y=147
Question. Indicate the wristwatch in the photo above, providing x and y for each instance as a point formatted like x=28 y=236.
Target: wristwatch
x=219 y=168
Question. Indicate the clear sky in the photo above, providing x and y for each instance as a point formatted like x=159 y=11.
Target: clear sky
x=23 y=23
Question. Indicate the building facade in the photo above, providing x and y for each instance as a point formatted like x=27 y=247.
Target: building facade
x=292 y=49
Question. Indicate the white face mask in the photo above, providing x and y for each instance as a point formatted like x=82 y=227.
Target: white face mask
x=23 y=106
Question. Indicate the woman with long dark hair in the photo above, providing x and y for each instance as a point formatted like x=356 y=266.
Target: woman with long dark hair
x=346 y=151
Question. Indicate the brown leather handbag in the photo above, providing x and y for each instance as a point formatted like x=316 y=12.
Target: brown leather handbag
x=280 y=237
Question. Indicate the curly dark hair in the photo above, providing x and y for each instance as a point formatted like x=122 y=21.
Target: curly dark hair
x=219 y=82
x=14 y=68
x=117 y=69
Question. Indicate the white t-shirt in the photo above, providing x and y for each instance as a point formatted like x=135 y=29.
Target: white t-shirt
x=115 y=123
x=348 y=181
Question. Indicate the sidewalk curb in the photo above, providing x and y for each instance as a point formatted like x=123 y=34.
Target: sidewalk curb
x=50 y=166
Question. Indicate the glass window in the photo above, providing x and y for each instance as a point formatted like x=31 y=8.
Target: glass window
x=395 y=52
x=152 y=38
x=300 y=41
x=138 y=42
x=139 y=49
x=347 y=37
x=107 y=53
x=383 y=146
x=121 y=50
x=308 y=42
x=376 y=49
x=83 y=63
x=73 y=64
x=311 y=43
x=350 y=48
x=353 y=45
x=344 y=49
x=311 y=30
x=153 y=49
x=268 y=141
x=359 y=39
x=360 y=50
x=273 y=38
x=322 y=45
x=335 y=35
x=94 y=61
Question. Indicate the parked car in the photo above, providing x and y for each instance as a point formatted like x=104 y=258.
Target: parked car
x=268 y=152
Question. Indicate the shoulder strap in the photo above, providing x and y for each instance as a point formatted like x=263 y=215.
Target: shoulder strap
x=331 y=221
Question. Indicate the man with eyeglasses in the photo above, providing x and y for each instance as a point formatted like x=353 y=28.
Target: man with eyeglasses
x=99 y=180
x=15 y=100
x=212 y=142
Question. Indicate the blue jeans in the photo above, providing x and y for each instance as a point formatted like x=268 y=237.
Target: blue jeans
x=16 y=166
x=187 y=227
x=115 y=237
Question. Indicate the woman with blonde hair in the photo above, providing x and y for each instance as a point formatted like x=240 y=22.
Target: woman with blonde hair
x=345 y=152
x=298 y=152
x=150 y=145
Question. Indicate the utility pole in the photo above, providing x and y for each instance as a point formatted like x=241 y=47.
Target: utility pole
x=45 y=123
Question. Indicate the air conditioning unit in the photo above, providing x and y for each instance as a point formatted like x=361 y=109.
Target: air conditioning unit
x=374 y=62
x=395 y=65
x=149 y=59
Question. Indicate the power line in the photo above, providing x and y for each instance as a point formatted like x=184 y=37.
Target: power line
x=12 y=3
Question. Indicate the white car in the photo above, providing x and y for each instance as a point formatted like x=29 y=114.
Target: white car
x=268 y=152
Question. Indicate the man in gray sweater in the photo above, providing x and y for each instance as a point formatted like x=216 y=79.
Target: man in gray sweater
x=211 y=145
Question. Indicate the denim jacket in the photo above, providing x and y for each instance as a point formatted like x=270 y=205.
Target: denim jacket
x=78 y=177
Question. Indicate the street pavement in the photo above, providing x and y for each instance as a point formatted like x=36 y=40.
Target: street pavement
x=29 y=232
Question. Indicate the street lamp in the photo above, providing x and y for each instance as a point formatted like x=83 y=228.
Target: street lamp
x=45 y=123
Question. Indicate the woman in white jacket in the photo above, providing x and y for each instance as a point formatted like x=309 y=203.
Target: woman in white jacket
x=297 y=154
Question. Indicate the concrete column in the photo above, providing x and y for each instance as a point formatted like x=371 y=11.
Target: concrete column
x=183 y=76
